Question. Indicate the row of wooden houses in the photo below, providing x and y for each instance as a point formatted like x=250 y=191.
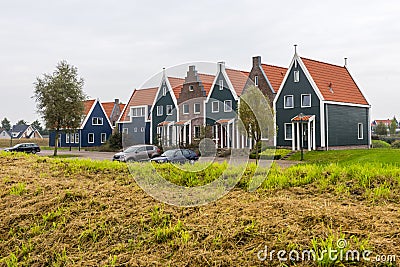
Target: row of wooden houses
x=316 y=105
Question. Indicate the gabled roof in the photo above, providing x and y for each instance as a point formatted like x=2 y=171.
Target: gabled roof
x=108 y=107
x=334 y=82
x=387 y=122
x=87 y=106
x=176 y=85
x=207 y=81
x=238 y=79
x=275 y=75
x=139 y=97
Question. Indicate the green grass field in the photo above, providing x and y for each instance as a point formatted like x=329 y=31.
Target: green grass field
x=378 y=155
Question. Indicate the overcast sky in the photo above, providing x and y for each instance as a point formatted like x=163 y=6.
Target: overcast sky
x=118 y=45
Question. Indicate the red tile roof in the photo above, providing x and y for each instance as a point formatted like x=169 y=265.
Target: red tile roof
x=387 y=122
x=334 y=82
x=138 y=98
x=176 y=85
x=164 y=123
x=305 y=118
x=223 y=121
x=275 y=75
x=181 y=122
x=121 y=107
x=207 y=81
x=108 y=108
x=87 y=106
x=238 y=79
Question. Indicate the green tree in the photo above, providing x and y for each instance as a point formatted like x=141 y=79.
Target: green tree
x=59 y=98
x=36 y=124
x=381 y=129
x=22 y=122
x=6 y=124
x=393 y=126
x=256 y=116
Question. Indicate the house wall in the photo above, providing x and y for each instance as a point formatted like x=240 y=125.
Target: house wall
x=262 y=81
x=4 y=135
x=342 y=125
x=138 y=137
x=162 y=101
x=285 y=115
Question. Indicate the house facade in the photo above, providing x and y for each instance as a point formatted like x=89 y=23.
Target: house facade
x=21 y=131
x=95 y=128
x=135 y=119
x=319 y=106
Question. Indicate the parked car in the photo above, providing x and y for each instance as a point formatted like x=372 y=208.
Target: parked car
x=138 y=153
x=177 y=156
x=24 y=147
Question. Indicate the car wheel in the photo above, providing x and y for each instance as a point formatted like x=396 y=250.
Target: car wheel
x=191 y=161
x=33 y=151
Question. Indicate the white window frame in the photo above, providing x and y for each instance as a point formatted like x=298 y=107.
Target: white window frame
x=171 y=109
x=191 y=88
x=194 y=131
x=183 y=109
x=90 y=134
x=142 y=129
x=284 y=101
x=164 y=90
x=67 y=138
x=256 y=80
x=103 y=138
x=135 y=111
x=77 y=138
x=97 y=121
x=135 y=129
x=212 y=107
x=291 y=128
x=125 y=130
x=360 y=130
x=302 y=105
x=71 y=138
x=226 y=107
x=160 y=110
x=194 y=108
x=221 y=84
x=296 y=76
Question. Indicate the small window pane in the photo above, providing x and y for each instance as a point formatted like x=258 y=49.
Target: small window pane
x=185 y=108
x=169 y=109
x=296 y=76
x=306 y=100
x=288 y=131
x=227 y=105
x=215 y=106
x=196 y=108
x=288 y=101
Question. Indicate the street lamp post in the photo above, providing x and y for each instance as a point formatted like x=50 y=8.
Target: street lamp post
x=301 y=116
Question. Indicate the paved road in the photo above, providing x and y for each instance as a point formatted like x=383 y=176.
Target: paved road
x=109 y=155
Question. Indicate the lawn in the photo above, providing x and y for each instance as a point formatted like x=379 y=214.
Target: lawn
x=376 y=155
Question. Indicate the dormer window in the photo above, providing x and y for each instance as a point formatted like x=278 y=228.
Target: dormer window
x=221 y=84
x=296 y=76
x=164 y=91
x=97 y=121
x=256 y=80
x=191 y=88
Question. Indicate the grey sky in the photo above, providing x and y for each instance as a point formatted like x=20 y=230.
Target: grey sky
x=117 y=45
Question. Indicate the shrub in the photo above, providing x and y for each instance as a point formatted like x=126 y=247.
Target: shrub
x=396 y=144
x=380 y=144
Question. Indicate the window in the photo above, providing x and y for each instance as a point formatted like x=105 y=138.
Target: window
x=67 y=138
x=125 y=130
x=215 y=106
x=72 y=138
x=142 y=129
x=135 y=130
x=196 y=108
x=185 y=109
x=197 y=132
x=227 y=105
x=288 y=101
x=91 y=138
x=296 y=76
x=97 y=121
x=164 y=91
x=138 y=112
x=256 y=80
x=103 y=137
x=360 y=131
x=76 y=138
x=159 y=110
x=221 y=84
x=190 y=87
x=288 y=131
x=306 y=101
x=169 y=110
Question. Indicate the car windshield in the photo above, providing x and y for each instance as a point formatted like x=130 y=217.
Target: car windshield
x=131 y=149
x=16 y=146
x=169 y=153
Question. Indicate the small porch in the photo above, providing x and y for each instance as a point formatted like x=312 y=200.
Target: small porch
x=303 y=132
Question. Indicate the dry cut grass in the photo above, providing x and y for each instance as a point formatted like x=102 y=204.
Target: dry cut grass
x=39 y=141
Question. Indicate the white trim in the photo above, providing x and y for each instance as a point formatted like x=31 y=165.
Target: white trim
x=99 y=119
x=225 y=106
x=137 y=107
x=67 y=138
x=183 y=109
x=160 y=110
x=347 y=104
x=191 y=88
x=88 y=114
x=266 y=78
x=89 y=138
x=296 y=76
x=256 y=80
x=284 y=101
x=165 y=79
x=166 y=110
x=194 y=108
x=229 y=84
x=164 y=90
x=105 y=138
x=125 y=130
x=221 y=84
x=322 y=122
x=125 y=107
x=301 y=100
x=212 y=107
x=291 y=126
x=362 y=131
x=369 y=129
x=77 y=137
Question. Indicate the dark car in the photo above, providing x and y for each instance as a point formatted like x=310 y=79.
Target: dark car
x=177 y=156
x=24 y=147
x=138 y=153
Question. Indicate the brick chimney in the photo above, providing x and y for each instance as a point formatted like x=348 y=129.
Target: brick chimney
x=116 y=101
x=256 y=61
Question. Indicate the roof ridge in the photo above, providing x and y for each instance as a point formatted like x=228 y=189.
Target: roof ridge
x=273 y=66
x=322 y=62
